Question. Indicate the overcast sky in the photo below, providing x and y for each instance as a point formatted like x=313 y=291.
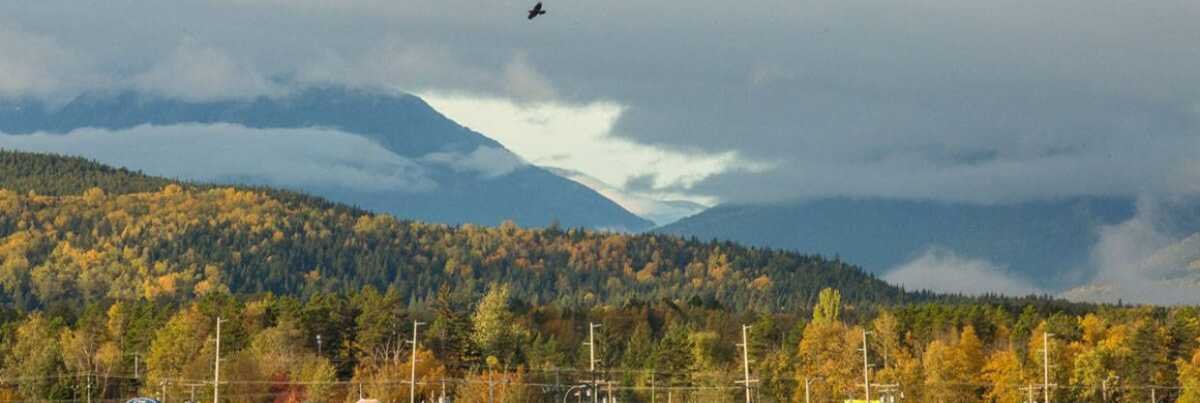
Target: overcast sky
x=986 y=101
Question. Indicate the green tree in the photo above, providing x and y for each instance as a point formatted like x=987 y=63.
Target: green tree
x=34 y=360
x=829 y=306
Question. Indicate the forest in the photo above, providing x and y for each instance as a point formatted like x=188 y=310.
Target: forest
x=112 y=284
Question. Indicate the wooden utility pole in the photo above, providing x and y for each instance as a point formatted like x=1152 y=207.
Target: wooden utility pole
x=745 y=345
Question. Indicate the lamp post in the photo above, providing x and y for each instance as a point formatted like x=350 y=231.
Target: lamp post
x=568 y=394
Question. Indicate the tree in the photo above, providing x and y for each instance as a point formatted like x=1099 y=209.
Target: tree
x=1189 y=379
x=34 y=360
x=1002 y=374
x=496 y=332
x=824 y=352
x=829 y=306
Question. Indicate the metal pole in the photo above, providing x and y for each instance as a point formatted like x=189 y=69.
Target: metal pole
x=568 y=394
x=1046 y=366
x=217 y=366
x=412 y=376
x=592 y=362
x=746 y=361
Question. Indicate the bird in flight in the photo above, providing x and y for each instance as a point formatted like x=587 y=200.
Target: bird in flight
x=536 y=11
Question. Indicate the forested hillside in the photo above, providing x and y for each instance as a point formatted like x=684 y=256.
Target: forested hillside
x=66 y=237
x=112 y=282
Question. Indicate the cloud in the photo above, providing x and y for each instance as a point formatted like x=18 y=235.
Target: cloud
x=1147 y=259
x=291 y=158
x=488 y=162
x=415 y=67
x=661 y=212
x=579 y=138
x=986 y=102
x=941 y=270
x=199 y=73
x=38 y=66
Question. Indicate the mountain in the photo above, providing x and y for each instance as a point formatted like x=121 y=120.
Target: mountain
x=72 y=230
x=458 y=175
x=1049 y=241
x=661 y=212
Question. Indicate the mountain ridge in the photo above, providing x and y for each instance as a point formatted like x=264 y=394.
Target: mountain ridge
x=402 y=124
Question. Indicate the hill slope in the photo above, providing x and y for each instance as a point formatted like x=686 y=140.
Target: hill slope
x=431 y=146
x=1043 y=240
x=115 y=241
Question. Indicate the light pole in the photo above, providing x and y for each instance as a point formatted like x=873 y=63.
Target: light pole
x=318 y=344
x=568 y=394
x=412 y=376
x=1046 y=366
x=217 y=366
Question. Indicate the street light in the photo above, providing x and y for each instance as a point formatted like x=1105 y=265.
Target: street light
x=568 y=394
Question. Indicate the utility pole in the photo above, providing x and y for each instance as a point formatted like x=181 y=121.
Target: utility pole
x=217 y=366
x=746 y=361
x=1153 y=397
x=136 y=366
x=491 y=386
x=653 y=392
x=1046 y=366
x=1029 y=389
x=1104 y=387
x=866 y=368
x=412 y=376
x=193 y=392
x=591 y=343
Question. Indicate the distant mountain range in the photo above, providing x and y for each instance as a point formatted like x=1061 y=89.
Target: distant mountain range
x=452 y=162
x=1046 y=242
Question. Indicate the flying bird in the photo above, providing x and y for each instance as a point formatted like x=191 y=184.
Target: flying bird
x=536 y=11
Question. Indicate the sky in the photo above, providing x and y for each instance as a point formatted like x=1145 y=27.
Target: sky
x=706 y=101
x=996 y=101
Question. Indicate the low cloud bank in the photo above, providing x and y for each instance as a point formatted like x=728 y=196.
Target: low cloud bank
x=1152 y=258
x=941 y=270
x=293 y=158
